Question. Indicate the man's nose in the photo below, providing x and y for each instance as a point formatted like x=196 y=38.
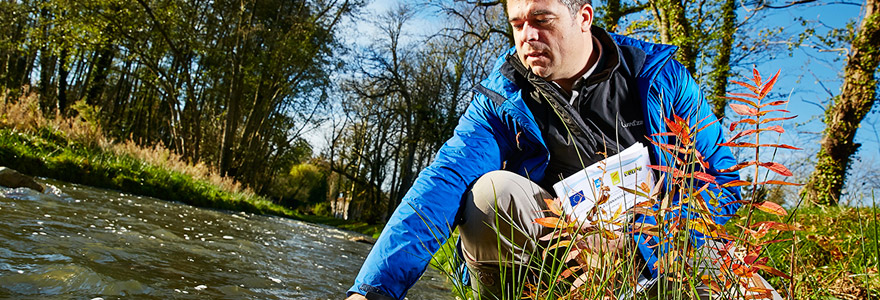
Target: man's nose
x=530 y=33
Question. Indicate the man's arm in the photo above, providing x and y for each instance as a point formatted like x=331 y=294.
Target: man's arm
x=426 y=215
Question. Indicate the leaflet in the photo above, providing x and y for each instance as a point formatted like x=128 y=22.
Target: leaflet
x=580 y=191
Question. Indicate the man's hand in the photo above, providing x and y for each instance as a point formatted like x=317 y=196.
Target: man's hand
x=356 y=297
x=597 y=243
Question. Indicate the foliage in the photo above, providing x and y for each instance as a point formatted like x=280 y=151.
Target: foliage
x=233 y=84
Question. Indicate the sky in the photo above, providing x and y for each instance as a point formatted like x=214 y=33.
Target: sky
x=806 y=76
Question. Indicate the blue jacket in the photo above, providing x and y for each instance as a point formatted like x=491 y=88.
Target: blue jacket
x=486 y=138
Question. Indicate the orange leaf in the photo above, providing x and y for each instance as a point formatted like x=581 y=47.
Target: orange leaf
x=777 y=167
x=554 y=206
x=770 y=207
x=552 y=222
x=645 y=228
x=769 y=85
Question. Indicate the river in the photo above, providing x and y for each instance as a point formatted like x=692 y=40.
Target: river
x=78 y=242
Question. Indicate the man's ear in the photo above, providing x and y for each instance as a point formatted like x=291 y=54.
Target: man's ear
x=586 y=13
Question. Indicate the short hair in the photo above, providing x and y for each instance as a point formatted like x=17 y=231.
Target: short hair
x=575 y=5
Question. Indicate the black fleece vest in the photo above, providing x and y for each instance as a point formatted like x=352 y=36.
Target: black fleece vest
x=605 y=119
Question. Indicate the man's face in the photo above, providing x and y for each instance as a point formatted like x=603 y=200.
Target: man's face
x=549 y=40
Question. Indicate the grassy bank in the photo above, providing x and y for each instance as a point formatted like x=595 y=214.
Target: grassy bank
x=75 y=150
x=836 y=254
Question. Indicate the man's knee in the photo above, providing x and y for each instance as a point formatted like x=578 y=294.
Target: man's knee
x=494 y=190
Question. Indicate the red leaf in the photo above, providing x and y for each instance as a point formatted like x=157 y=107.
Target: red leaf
x=776 y=119
x=743 y=133
x=780 y=146
x=776 y=128
x=669 y=170
x=769 y=85
x=756 y=77
x=743 y=110
x=738 y=166
x=779 y=182
x=770 y=207
x=746 y=101
x=773 y=271
x=704 y=177
x=748 y=145
x=776 y=226
x=777 y=167
x=707 y=125
x=744 y=95
x=774 y=103
x=737 y=182
x=764 y=112
x=752 y=88
x=747 y=121
x=664 y=134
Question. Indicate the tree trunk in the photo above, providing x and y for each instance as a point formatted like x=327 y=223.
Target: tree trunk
x=721 y=64
x=857 y=96
x=63 y=71
x=614 y=10
x=47 y=90
x=99 y=74
x=675 y=29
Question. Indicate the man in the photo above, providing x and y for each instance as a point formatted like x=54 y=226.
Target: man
x=567 y=92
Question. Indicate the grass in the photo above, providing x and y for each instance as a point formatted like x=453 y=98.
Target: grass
x=836 y=254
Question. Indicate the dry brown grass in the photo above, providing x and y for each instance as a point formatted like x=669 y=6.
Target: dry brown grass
x=24 y=115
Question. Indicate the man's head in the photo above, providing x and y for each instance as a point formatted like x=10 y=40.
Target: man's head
x=553 y=37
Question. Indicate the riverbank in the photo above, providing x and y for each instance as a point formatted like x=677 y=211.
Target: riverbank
x=51 y=154
x=75 y=150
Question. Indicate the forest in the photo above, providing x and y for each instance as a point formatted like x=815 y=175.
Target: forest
x=277 y=96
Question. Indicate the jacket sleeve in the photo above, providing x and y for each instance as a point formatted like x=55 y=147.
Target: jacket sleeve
x=426 y=216
x=676 y=92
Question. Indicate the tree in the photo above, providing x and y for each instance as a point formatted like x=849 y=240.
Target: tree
x=846 y=111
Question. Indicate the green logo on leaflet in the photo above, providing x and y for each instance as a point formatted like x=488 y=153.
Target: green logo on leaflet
x=632 y=171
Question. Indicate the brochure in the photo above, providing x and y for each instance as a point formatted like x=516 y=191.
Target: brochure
x=580 y=191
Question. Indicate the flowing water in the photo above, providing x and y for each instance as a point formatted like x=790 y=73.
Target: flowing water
x=78 y=242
